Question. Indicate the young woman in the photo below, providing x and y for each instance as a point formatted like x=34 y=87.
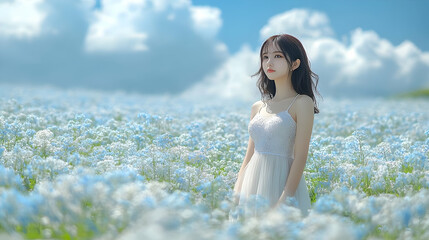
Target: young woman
x=280 y=127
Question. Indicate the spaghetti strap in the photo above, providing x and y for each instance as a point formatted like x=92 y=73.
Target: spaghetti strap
x=292 y=102
x=261 y=107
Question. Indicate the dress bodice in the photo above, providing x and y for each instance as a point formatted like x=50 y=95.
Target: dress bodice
x=273 y=133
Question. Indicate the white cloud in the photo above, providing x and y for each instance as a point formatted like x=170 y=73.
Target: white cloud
x=126 y=25
x=231 y=80
x=115 y=28
x=206 y=20
x=21 y=18
x=161 y=5
x=150 y=46
x=303 y=23
x=369 y=65
x=366 y=66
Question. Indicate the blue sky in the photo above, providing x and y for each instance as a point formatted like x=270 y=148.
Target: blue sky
x=210 y=47
x=396 y=20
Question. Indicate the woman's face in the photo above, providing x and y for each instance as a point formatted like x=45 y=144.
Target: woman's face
x=274 y=63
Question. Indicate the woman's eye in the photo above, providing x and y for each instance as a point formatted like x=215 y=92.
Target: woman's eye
x=264 y=57
x=280 y=56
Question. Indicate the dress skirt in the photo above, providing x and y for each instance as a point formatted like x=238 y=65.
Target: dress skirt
x=265 y=177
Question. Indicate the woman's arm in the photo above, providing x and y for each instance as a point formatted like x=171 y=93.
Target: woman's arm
x=304 y=126
x=250 y=150
x=249 y=154
x=250 y=145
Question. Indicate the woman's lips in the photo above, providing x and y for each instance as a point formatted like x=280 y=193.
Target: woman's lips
x=270 y=70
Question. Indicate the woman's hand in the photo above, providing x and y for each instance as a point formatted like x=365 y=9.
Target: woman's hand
x=289 y=201
x=280 y=201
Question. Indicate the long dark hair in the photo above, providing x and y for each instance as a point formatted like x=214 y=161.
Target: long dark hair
x=302 y=77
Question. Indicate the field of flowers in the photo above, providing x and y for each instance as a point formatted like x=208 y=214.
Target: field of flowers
x=81 y=164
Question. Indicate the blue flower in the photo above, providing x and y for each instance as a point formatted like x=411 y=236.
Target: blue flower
x=405 y=216
x=149 y=201
x=1 y=150
x=421 y=210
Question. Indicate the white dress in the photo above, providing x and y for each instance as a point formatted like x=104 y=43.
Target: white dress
x=266 y=173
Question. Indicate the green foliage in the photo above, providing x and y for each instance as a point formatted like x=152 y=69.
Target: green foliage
x=421 y=93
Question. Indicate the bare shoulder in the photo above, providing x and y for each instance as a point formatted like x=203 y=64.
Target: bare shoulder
x=255 y=108
x=257 y=105
x=304 y=103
